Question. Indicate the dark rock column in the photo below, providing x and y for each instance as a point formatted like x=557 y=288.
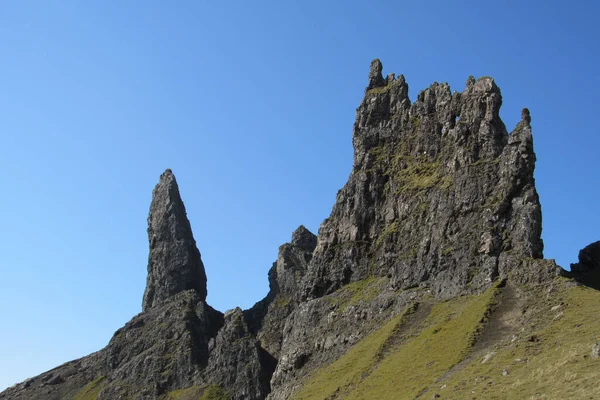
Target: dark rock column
x=587 y=270
x=174 y=263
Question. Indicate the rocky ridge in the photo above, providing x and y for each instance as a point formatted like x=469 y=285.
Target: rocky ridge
x=441 y=202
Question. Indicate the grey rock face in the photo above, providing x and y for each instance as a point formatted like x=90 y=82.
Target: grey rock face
x=441 y=199
x=438 y=193
x=174 y=263
x=375 y=76
x=587 y=270
x=268 y=316
x=161 y=349
x=237 y=361
x=589 y=259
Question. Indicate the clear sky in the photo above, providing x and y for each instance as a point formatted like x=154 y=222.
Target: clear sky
x=251 y=103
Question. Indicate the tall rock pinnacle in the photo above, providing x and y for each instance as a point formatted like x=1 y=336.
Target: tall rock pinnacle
x=440 y=193
x=174 y=263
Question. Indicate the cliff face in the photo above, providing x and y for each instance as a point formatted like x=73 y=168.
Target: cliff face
x=440 y=203
x=439 y=192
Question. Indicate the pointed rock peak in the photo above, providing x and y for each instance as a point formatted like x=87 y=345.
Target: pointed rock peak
x=174 y=263
x=526 y=116
x=304 y=239
x=375 y=76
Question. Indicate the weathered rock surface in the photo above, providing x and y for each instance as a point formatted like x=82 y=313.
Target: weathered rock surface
x=237 y=361
x=439 y=192
x=177 y=342
x=268 y=316
x=174 y=263
x=587 y=270
x=441 y=201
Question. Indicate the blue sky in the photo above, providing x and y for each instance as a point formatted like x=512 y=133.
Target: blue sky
x=252 y=105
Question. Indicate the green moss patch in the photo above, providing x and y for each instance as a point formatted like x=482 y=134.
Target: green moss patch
x=211 y=392
x=355 y=292
x=408 y=172
x=383 y=89
x=91 y=390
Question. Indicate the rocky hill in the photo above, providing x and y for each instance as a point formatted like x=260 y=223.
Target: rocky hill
x=426 y=281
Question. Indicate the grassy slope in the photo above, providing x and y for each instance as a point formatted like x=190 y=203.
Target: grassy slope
x=550 y=359
x=211 y=392
x=365 y=372
x=91 y=390
x=547 y=358
x=343 y=373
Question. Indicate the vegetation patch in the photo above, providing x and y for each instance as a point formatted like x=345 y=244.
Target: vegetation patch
x=416 y=173
x=354 y=292
x=546 y=361
x=448 y=334
x=415 y=120
x=211 y=392
x=342 y=375
x=370 y=371
x=91 y=390
x=389 y=230
x=383 y=89
x=282 y=301
x=485 y=161
x=408 y=172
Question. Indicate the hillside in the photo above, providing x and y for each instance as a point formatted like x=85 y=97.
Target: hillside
x=426 y=281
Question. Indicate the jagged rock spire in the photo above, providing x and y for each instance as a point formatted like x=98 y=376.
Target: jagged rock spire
x=440 y=194
x=174 y=263
x=375 y=76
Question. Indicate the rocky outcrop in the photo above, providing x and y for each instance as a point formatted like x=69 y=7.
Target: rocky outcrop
x=174 y=263
x=441 y=201
x=237 y=361
x=177 y=342
x=587 y=270
x=161 y=349
x=267 y=317
x=440 y=193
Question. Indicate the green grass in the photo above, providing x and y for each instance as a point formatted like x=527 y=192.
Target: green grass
x=211 y=392
x=91 y=390
x=449 y=333
x=354 y=292
x=548 y=358
x=383 y=89
x=557 y=365
x=408 y=172
x=341 y=376
x=367 y=371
